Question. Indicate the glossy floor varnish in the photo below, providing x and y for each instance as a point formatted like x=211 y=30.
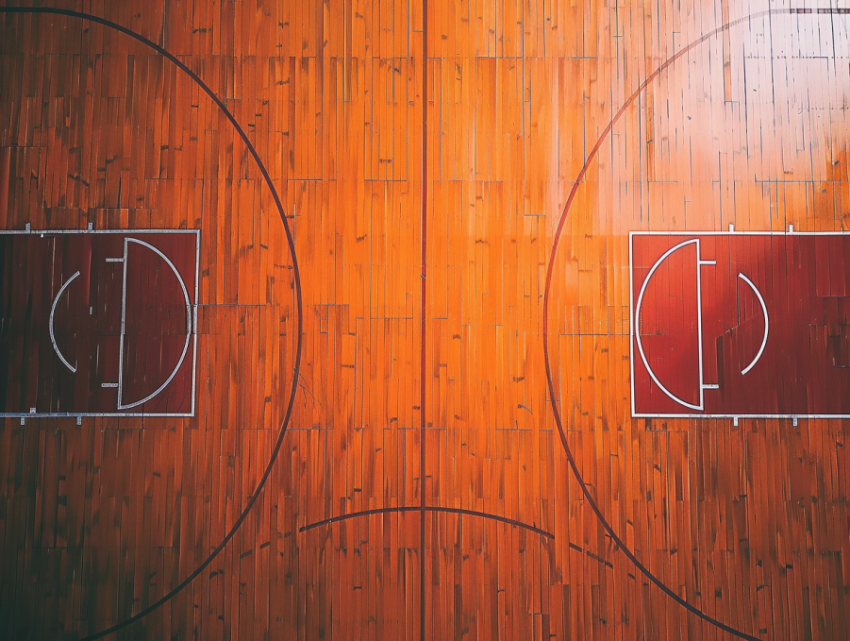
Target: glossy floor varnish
x=454 y=329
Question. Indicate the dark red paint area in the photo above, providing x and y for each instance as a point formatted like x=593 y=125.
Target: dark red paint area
x=154 y=361
x=793 y=288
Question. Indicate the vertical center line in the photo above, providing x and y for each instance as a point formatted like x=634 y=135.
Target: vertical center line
x=424 y=226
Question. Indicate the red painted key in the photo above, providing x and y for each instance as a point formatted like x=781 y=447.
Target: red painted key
x=98 y=322
x=738 y=324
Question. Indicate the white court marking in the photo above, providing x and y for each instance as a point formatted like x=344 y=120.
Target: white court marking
x=652 y=375
x=766 y=323
x=123 y=406
x=50 y=323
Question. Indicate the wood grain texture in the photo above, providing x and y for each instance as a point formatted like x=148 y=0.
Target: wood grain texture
x=748 y=523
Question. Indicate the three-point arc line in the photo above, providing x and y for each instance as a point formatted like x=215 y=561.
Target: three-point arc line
x=553 y=396
x=296 y=273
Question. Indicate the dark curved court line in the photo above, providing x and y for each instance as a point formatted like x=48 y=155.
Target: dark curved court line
x=253 y=498
x=429 y=508
x=552 y=394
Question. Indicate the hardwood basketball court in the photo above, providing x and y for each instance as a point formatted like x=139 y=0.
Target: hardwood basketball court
x=424 y=320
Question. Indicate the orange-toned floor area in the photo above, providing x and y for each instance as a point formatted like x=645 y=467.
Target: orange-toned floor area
x=384 y=418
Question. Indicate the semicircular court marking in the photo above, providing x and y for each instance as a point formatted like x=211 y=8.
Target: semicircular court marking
x=652 y=375
x=50 y=323
x=188 y=304
x=766 y=322
x=296 y=274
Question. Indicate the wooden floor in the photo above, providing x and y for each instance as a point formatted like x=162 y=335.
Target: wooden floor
x=748 y=523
